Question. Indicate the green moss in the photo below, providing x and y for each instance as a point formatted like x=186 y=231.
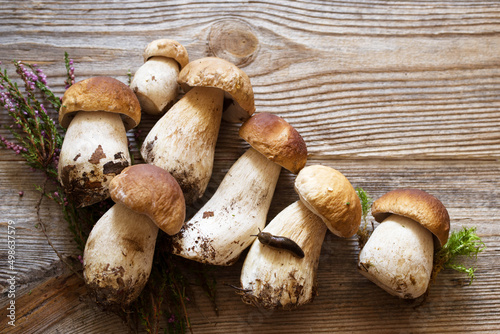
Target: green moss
x=461 y=244
x=366 y=203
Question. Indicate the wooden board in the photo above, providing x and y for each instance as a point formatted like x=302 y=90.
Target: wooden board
x=392 y=94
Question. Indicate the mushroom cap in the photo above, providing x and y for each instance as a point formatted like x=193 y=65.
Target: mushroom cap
x=329 y=194
x=167 y=48
x=152 y=191
x=100 y=94
x=219 y=73
x=276 y=139
x=418 y=205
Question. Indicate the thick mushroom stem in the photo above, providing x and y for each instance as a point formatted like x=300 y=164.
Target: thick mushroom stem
x=223 y=227
x=94 y=150
x=273 y=278
x=398 y=257
x=183 y=140
x=155 y=84
x=118 y=256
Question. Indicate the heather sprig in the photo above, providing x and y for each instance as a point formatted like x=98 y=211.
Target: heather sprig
x=70 y=71
x=38 y=136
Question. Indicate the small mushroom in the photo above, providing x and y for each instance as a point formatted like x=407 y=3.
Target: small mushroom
x=223 y=227
x=155 y=82
x=97 y=112
x=119 y=251
x=183 y=140
x=274 y=278
x=398 y=256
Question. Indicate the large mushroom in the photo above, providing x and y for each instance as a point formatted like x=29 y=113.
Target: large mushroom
x=398 y=256
x=155 y=82
x=276 y=278
x=183 y=140
x=119 y=251
x=97 y=112
x=223 y=227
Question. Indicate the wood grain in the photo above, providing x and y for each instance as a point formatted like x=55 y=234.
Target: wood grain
x=392 y=94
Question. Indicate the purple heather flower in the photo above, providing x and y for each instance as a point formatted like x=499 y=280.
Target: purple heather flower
x=43 y=109
x=11 y=146
x=41 y=76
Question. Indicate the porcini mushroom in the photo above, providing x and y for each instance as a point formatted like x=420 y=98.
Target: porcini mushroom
x=119 y=251
x=398 y=256
x=155 y=82
x=223 y=227
x=274 y=278
x=183 y=140
x=97 y=112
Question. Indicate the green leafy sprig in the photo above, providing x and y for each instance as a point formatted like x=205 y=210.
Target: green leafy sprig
x=464 y=243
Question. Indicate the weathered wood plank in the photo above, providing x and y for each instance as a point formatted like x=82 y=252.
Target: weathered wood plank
x=52 y=302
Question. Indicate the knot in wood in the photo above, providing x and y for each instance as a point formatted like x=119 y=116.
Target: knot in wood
x=234 y=41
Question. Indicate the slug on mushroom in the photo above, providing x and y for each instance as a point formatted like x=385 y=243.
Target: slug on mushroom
x=183 y=140
x=97 y=112
x=155 y=82
x=223 y=227
x=275 y=278
x=398 y=256
x=119 y=251
x=280 y=242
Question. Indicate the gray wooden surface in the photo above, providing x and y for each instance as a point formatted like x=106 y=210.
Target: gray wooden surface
x=392 y=94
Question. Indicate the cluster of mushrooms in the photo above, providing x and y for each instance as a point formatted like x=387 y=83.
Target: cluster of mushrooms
x=280 y=267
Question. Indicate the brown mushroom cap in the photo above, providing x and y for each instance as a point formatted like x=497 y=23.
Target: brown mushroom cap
x=152 y=191
x=418 y=205
x=329 y=194
x=167 y=48
x=219 y=73
x=100 y=94
x=277 y=140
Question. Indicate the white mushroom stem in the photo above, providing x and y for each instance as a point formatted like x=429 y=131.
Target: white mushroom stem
x=155 y=84
x=118 y=255
x=94 y=150
x=398 y=257
x=183 y=140
x=274 y=278
x=223 y=227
